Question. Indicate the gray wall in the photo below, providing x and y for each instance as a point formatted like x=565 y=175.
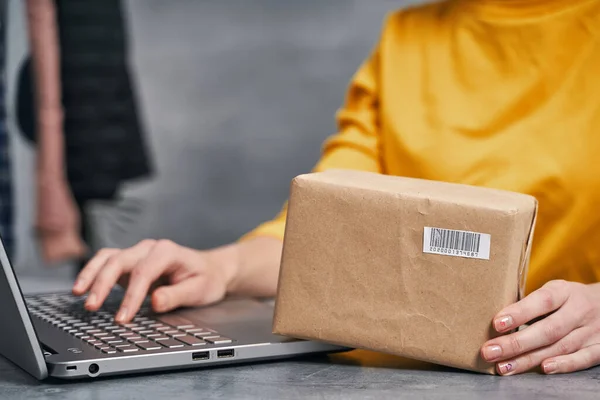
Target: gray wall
x=237 y=97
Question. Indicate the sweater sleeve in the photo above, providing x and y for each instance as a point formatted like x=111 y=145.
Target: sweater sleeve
x=357 y=143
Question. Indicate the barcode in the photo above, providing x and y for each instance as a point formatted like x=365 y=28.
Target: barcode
x=455 y=240
x=456 y=243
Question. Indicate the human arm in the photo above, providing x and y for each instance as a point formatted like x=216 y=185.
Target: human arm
x=45 y=53
x=57 y=219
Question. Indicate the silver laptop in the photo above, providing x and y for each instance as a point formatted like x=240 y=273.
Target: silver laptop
x=53 y=335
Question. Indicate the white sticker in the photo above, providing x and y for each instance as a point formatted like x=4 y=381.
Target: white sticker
x=450 y=242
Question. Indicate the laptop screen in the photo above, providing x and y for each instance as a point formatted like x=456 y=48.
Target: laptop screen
x=18 y=340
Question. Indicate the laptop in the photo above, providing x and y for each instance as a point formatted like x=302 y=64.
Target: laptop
x=52 y=335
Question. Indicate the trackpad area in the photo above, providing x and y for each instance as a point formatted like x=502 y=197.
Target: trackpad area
x=230 y=311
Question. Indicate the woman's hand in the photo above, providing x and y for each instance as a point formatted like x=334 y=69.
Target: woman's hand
x=57 y=221
x=189 y=277
x=179 y=276
x=567 y=340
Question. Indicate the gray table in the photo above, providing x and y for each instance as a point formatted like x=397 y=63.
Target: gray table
x=338 y=377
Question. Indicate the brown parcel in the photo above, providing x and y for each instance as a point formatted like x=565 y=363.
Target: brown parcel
x=354 y=271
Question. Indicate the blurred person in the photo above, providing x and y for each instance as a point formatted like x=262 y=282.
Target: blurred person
x=85 y=124
x=494 y=93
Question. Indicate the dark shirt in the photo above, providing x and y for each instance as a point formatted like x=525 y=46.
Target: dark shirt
x=104 y=140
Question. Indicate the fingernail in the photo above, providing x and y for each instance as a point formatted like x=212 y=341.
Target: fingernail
x=492 y=353
x=550 y=367
x=503 y=323
x=507 y=367
x=91 y=300
x=78 y=284
x=122 y=314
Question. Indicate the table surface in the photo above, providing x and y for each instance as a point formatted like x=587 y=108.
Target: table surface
x=359 y=375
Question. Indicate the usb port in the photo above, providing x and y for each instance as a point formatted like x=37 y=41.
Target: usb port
x=71 y=367
x=200 y=355
x=225 y=353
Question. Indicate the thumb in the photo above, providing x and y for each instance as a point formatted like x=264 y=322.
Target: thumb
x=185 y=293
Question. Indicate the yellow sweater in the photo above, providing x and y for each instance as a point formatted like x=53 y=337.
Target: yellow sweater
x=496 y=93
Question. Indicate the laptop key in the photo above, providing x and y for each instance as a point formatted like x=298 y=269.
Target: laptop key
x=128 y=349
x=153 y=335
x=174 y=333
x=170 y=343
x=164 y=328
x=110 y=350
x=78 y=334
x=135 y=338
x=105 y=338
x=136 y=341
x=160 y=338
x=218 y=340
x=146 y=332
x=205 y=334
x=115 y=342
x=148 y=322
x=194 y=330
x=100 y=334
x=112 y=328
x=126 y=334
x=177 y=321
x=191 y=340
x=148 y=346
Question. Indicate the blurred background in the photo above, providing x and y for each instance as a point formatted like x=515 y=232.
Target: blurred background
x=235 y=98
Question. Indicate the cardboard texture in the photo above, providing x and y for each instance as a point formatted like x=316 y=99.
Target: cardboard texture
x=354 y=271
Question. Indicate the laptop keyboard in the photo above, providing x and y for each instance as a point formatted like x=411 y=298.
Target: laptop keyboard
x=145 y=333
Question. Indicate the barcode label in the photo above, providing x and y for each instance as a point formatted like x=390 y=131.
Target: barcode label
x=456 y=243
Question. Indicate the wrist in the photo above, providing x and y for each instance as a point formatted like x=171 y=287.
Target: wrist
x=50 y=151
x=255 y=266
x=51 y=178
x=227 y=260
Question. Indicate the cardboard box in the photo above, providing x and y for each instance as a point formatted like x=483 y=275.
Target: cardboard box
x=403 y=266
